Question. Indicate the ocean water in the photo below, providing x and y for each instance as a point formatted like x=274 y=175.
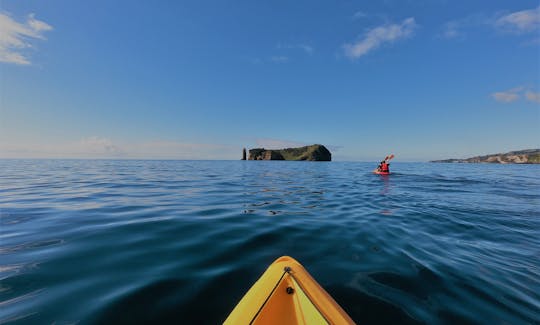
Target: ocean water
x=106 y=241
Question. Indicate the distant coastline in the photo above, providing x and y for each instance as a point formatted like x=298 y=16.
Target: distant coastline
x=528 y=156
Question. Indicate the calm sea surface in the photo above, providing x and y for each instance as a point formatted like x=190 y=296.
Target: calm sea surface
x=105 y=241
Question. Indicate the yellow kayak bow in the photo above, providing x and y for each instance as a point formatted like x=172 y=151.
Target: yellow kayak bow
x=287 y=294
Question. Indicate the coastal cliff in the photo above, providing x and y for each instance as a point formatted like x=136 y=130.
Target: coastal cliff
x=529 y=156
x=316 y=152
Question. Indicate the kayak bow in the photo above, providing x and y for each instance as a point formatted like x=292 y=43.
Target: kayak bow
x=287 y=294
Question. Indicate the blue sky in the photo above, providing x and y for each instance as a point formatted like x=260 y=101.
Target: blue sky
x=203 y=79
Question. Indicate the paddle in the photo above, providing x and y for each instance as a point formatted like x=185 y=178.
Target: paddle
x=387 y=159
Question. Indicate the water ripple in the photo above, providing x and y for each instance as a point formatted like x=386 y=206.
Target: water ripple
x=104 y=241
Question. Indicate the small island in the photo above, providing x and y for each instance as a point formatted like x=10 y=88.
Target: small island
x=316 y=152
x=529 y=156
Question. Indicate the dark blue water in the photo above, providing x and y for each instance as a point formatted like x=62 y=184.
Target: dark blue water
x=99 y=241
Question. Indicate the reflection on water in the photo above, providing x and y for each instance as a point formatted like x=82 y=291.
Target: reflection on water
x=99 y=241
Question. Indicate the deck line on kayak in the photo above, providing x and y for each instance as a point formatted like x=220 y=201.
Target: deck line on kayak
x=267 y=298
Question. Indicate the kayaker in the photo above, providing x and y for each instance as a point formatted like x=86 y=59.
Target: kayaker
x=384 y=166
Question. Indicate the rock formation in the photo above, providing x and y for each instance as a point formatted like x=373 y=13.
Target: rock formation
x=316 y=152
x=529 y=156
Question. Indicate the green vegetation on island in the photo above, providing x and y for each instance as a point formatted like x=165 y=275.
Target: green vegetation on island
x=529 y=156
x=316 y=152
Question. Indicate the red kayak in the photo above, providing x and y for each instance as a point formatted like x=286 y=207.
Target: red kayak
x=381 y=173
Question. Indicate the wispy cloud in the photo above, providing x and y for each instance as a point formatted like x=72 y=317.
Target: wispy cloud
x=98 y=145
x=276 y=59
x=182 y=150
x=505 y=96
x=516 y=93
x=359 y=14
x=91 y=147
x=533 y=96
x=285 y=53
x=521 y=21
x=279 y=59
x=308 y=49
x=101 y=147
x=16 y=36
x=451 y=29
x=456 y=28
x=255 y=60
x=378 y=36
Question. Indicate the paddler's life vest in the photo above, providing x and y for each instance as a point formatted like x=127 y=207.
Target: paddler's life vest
x=384 y=167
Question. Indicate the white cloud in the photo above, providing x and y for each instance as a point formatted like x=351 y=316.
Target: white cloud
x=37 y=25
x=508 y=96
x=505 y=96
x=15 y=37
x=514 y=94
x=533 y=96
x=517 y=22
x=375 y=37
x=520 y=21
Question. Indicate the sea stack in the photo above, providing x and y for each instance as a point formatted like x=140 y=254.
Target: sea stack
x=316 y=152
x=244 y=154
